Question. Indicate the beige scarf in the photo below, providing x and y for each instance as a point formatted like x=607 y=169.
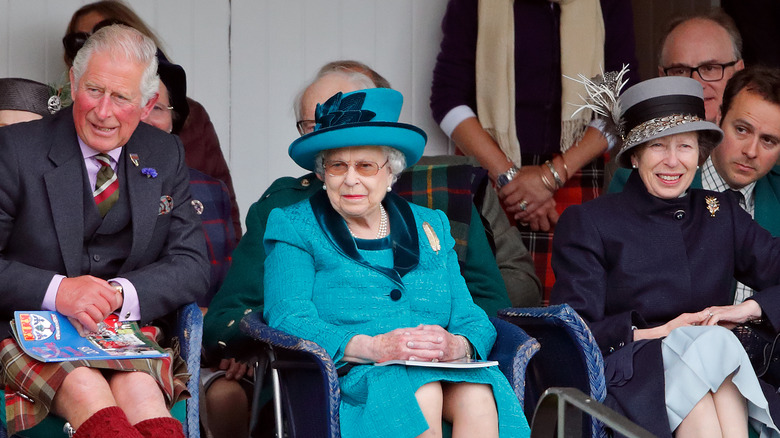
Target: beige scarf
x=582 y=52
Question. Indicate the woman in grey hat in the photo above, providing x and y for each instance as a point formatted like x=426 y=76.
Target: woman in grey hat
x=651 y=270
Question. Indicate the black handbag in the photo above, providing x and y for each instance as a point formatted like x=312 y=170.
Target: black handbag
x=763 y=349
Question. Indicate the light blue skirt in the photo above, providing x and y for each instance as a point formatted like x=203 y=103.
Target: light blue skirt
x=697 y=359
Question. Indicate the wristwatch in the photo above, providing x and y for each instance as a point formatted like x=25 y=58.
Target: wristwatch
x=504 y=178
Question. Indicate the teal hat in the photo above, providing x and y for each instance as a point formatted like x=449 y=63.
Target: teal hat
x=361 y=118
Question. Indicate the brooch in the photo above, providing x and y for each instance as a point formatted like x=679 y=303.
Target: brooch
x=134 y=159
x=713 y=206
x=433 y=239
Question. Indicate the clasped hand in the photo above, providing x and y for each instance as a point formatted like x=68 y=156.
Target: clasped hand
x=424 y=343
x=527 y=187
x=87 y=299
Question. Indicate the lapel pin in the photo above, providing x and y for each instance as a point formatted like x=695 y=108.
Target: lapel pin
x=713 y=206
x=166 y=205
x=433 y=239
x=134 y=159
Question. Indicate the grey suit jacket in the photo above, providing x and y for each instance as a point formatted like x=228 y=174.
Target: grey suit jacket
x=42 y=186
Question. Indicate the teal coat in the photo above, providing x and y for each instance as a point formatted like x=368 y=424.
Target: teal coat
x=242 y=291
x=767 y=196
x=320 y=286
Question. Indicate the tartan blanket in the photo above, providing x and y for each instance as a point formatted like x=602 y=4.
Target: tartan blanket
x=447 y=188
x=584 y=185
x=30 y=385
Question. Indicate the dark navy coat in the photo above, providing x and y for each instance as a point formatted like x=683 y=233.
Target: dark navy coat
x=631 y=259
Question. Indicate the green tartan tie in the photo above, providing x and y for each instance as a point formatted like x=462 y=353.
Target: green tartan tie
x=106 y=187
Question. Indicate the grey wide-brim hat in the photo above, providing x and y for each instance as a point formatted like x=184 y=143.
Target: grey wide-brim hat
x=664 y=106
x=25 y=95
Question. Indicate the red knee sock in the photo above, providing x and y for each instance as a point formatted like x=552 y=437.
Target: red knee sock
x=160 y=427
x=108 y=422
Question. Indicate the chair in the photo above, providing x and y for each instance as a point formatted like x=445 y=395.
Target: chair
x=306 y=387
x=189 y=330
x=568 y=357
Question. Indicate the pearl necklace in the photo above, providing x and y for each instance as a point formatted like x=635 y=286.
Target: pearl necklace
x=382 y=231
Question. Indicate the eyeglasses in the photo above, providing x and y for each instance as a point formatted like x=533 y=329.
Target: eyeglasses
x=305 y=126
x=364 y=168
x=707 y=72
x=160 y=110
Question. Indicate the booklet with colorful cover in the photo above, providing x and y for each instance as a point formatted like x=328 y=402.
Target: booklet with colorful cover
x=49 y=336
x=458 y=363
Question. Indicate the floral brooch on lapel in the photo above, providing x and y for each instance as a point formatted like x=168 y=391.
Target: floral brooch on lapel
x=712 y=205
x=149 y=172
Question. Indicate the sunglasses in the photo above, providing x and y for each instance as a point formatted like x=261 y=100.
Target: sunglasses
x=73 y=42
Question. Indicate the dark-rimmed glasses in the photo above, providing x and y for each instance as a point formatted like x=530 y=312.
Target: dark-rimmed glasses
x=305 y=126
x=710 y=72
x=363 y=168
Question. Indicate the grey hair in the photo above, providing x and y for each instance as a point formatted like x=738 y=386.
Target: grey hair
x=360 y=80
x=396 y=161
x=124 y=41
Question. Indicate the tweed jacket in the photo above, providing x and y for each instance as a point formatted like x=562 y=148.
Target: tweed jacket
x=631 y=259
x=242 y=290
x=43 y=183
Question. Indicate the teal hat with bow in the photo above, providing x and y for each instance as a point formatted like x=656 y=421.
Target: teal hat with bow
x=361 y=118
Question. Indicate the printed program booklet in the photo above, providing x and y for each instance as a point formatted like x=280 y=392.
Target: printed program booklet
x=49 y=336
x=459 y=363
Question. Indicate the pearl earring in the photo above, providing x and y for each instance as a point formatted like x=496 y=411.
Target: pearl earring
x=634 y=166
x=324 y=187
x=389 y=189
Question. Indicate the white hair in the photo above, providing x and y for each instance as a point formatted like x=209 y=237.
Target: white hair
x=396 y=161
x=122 y=41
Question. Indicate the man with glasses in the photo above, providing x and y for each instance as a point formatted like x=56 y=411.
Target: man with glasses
x=706 y=48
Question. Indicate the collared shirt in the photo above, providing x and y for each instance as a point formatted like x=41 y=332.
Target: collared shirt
x=711 y=180
x=131 y=309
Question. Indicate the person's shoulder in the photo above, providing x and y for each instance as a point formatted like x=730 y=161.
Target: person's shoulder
x=287 y=191
x=772 y=178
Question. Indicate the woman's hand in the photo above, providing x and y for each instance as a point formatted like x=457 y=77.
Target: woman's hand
x=543 y=218
x=698 y=318
x=731 y=316
x=424 y=343
x=526 y=186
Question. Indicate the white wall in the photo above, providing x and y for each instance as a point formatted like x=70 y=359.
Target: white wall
x=247 y=59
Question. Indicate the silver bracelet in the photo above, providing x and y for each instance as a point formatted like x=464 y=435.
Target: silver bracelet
x=558 y=181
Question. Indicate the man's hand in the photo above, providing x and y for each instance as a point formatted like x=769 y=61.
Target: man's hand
x=88 y=299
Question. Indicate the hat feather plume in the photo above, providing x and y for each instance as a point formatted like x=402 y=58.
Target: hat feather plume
x=603 y=92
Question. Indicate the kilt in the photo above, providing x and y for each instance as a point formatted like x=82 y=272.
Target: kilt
x=584 y=185
x=30 y=385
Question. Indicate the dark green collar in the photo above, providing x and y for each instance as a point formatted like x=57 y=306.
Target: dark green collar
x=404 y=238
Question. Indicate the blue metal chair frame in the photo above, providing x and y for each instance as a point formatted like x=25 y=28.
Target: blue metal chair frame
x=306 y=387
x=569 y=357
x=189 y=330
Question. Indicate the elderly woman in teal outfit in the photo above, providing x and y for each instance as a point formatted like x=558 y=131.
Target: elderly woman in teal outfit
x=372 y=278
